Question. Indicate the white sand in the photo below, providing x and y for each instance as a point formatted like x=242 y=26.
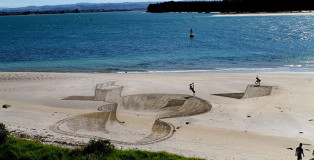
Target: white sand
x=225 y=132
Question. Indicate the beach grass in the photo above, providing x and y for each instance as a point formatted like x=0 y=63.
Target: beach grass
x=16 y=148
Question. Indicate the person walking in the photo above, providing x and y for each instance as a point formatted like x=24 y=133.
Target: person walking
x=299 y=152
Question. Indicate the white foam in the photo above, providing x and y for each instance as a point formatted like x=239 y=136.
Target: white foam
x=294 y=65
x=286 y=68
x=202 y=71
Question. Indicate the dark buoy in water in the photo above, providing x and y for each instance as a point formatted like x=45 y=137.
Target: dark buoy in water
x=191 y=34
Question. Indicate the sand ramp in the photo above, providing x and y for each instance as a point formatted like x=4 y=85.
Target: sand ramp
x=171 y=105
x=149 y=101
x=160 y=131
x=251 y=91
x=258 y=91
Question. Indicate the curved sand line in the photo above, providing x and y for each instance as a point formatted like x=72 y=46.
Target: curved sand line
x=160 y=131
x=163 y=105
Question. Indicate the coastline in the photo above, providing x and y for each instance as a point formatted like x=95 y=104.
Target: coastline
x=259 y=125
x=267 y=14
x=34 y=13
x=218 y=14
x=284 y=68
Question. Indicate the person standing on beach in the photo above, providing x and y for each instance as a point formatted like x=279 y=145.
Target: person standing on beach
x=299 y=152
x=192 y=88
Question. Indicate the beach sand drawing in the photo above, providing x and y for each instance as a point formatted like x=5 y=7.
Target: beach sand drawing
x=99 y=125
x=158 y=112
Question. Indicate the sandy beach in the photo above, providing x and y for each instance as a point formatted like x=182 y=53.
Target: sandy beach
x=158 y=112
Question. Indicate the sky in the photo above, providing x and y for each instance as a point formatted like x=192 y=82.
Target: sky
x=24 y=3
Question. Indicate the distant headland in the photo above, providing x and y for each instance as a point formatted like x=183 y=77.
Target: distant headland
x=75 y=8
x=56 y=12
x=223 y=6
x=232 y=6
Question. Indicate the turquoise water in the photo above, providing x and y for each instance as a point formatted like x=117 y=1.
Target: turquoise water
x=137 y=41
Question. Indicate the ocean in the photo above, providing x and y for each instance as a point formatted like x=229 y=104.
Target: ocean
x=157 y=43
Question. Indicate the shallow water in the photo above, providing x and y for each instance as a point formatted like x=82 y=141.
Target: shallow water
x=137 y=41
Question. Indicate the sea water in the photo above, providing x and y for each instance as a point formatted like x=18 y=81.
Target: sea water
x=151 y=42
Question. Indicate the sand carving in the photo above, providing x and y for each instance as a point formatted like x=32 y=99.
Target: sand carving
x=251 y=91
x=104 y=123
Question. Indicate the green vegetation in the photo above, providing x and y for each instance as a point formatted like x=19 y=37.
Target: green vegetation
x=16 y=148
x=99 y=147
x=21 y=149
x=3 y=133
x=233 y=6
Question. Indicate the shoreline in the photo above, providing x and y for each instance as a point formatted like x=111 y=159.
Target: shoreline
x=216 y=14
x=284 y=68
x=266 y=14
x=259 y=125
x=288 y=69
x=304 y=12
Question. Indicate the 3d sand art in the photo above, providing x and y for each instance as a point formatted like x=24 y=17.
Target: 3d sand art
x=136 y=129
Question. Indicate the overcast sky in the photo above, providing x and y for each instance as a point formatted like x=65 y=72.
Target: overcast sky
x=23 y=3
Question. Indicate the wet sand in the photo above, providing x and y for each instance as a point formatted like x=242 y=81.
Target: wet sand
x=160 y=117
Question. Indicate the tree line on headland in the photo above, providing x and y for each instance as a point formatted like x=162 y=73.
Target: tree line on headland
x=224 y=6
x=229 y=6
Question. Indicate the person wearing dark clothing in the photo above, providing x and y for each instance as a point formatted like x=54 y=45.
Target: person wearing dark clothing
x=299 y=152
x=258 y=81
x=192 y=88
